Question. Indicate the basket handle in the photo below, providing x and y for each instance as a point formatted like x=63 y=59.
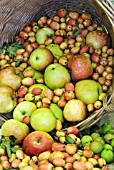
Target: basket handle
x=108 y=7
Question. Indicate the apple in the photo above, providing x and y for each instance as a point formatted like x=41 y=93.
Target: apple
x=40 y=86
x=56 y=76
x=57 y=111
x=55 y=49
x=43 y=34
x=61 y=12
x=37 y=74
x=81 y=67
x=40 y=58
x=12 y=79
x=43 y=119
x=16 y=128
x=97 y=39
x=23 y=109
x=37 y=142
x=88 y=91
x=8 y=99
x=74 y=111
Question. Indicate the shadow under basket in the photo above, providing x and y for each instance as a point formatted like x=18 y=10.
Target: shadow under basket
x=18 y=13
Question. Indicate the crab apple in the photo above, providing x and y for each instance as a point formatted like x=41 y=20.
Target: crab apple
x=79 y=165
x=95 y=57
x=69 y=87
x=71 y=148
x=88 y=153
x=61 y=12
x=56 y=154
x=68 y=95
x=22 y=91
x=54 y=25
x=56 y=146
x=99 y=69
x=72 y=130
x=36 y=91
x=58 y=39
x=59 y=162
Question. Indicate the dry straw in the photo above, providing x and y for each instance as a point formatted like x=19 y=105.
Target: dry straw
x=16 y=14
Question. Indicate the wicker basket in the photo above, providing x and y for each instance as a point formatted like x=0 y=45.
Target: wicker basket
x=18 y=13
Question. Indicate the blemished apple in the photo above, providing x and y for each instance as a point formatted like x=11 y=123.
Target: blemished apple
x=8 y=99
x=43 y=119
x=56 y=76
x=23 y=109
x=40 y=58
x=43 y=34
x=88 y=91
x=12 y=80
x=81 y=67
x=16 y=128
x=37 y=142
x=75 y=111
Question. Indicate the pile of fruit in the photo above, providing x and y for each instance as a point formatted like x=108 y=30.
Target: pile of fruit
x=57 y=70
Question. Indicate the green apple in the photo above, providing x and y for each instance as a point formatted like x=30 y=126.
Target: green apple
x=23 y=109
x=56 y=76
x=16 y=128
x=41 y=86
x=37 y=74
x=37 y=142
x=55 y=49
x=8 y=99
x=43 y=119
x=57 y=111
x=9 y=77
x=42 y=34
x=88 y=91
x=40 y=58
x=108 y=155
x=86 y=140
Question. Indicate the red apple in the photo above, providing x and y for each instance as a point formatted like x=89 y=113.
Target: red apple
x=36 y=91
x=68 y=95
x=61 y=12
x=81 y=67
x=88 y=153
x=22 y=91
x=72 y=130
x=69 y=87
x=37 y=142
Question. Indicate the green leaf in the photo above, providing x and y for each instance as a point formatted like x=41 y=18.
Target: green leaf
x=14 y=149
x=18 y=62
x=69 y=140
x=8 y=148
x=76 y=32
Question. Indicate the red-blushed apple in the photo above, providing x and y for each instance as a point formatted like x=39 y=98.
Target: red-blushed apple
x=37 y=142
x=22 y=91
x=88 y=153
x=79 y=165
x=40 y=58
x=81 y=67
x=61 y=12
x=68 y=95
x=69 y=87
x=74 y=110
x=72 y=130
x=71 y=148
x=56 y=146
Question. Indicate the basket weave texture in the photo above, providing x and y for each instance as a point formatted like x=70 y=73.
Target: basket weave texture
x=16 y=14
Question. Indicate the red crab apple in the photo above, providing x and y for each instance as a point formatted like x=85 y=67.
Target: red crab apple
x=74 y=110
x=81 y=67
x=61 y=12
x=37 y=142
